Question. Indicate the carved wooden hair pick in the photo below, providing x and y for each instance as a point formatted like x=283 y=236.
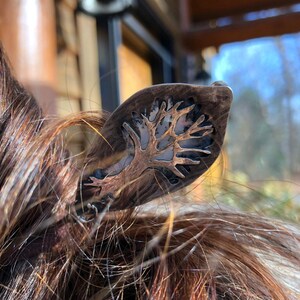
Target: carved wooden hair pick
x=158 y=141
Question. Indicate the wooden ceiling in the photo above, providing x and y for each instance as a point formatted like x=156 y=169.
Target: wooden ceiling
x=216 y=22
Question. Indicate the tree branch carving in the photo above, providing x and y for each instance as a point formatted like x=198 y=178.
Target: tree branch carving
x=165 y=132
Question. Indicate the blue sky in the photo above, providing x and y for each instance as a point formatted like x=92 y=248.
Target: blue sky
x=270 y=68
x=259 y=64
x=258 y=59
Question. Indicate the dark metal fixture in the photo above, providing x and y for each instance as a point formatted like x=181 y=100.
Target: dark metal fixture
x=105 y=8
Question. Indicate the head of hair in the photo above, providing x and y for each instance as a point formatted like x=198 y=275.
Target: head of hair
x=51 y=250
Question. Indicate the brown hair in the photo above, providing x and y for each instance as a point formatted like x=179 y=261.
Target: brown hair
x=60 y=240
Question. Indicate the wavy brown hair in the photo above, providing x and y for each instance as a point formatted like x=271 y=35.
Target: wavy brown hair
x=51 y=250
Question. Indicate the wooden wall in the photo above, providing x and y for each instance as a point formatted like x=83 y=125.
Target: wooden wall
x=77 y=60
x=77 y=67
x=53 y=53
x=134 y=71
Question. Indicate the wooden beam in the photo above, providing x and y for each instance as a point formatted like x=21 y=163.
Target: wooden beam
x=185 y=15
x=273 y=26
x=166 y=19
x=207 y=10
x=28 y=35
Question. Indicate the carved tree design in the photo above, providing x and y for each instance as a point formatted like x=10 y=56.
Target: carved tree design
x=159 y=145
x=153 y=151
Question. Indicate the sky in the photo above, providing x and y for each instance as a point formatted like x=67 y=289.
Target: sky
x=258 y=62
x=270 y=69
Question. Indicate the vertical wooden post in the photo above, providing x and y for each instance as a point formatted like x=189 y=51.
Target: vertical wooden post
x=185 y=21
x=28 y=34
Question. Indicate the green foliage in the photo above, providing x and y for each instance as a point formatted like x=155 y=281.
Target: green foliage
x=270 y=198
x=264 y=128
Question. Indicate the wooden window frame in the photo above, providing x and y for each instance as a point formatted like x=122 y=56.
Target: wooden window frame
x=110 y=37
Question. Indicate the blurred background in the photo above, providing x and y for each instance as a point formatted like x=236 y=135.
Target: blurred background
x=93 y=54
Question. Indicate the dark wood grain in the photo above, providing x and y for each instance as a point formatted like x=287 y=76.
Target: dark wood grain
x=207 y=10
x=241 y=31
x=150 y=182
